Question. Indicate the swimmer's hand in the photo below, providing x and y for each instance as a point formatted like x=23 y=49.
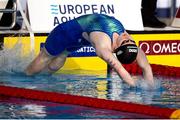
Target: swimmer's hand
x=147 y=85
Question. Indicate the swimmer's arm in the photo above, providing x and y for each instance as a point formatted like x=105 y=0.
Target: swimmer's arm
x=145 y=66
x=102 y=44
x=107 y=56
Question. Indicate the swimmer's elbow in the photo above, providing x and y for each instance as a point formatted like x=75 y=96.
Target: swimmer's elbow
x=103 y=52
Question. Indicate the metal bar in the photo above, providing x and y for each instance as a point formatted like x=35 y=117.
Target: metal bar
x=7 y=10
x=173 y=8
x=13 y=11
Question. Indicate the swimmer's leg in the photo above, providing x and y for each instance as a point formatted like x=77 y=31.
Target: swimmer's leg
x=57 y=62
x=39 y=63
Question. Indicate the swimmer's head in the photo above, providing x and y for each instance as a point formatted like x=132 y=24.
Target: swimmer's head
x=127 y=52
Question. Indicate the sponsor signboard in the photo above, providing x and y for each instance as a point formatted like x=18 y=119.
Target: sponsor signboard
x=81 y=52
x=163 y=47
x=46 y=14
x=82 y=59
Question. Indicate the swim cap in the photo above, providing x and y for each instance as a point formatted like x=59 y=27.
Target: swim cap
x=126 y=54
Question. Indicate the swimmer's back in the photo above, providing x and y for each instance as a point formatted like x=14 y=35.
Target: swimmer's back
x=99 y=22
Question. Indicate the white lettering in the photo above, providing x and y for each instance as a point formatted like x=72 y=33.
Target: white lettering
x=158 y=47
x=165 y=48
x=133 y=50
x=174 y=47
x=86 y=49
x=92 y=49
x=146 y=50
x=80 y=50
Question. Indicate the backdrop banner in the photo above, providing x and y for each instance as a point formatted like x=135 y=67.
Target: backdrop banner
x=45 y=15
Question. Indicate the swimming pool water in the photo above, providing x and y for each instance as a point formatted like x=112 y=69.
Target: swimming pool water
x=166 y=95
x=14 y=108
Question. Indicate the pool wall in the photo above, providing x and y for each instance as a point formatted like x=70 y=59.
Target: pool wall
x=160 y=48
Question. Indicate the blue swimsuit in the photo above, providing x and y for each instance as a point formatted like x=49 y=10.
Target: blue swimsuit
x=68 y=35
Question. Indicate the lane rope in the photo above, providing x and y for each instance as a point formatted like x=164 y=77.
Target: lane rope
x=89 y=102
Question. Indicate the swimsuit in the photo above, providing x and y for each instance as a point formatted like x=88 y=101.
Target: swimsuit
x=102 y=23
x=68 y=35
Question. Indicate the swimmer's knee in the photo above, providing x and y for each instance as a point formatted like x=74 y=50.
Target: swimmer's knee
x=53 y=68
x=56 y=64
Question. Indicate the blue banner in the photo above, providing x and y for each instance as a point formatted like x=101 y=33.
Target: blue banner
x=85 y=51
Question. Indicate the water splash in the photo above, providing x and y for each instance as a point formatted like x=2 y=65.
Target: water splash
x=145 y=85
x=12 y=61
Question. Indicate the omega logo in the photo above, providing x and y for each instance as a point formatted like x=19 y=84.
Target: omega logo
x=160 y=47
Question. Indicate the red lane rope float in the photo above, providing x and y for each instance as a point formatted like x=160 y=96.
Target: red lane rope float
x=87 y=101
x=157 y=70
